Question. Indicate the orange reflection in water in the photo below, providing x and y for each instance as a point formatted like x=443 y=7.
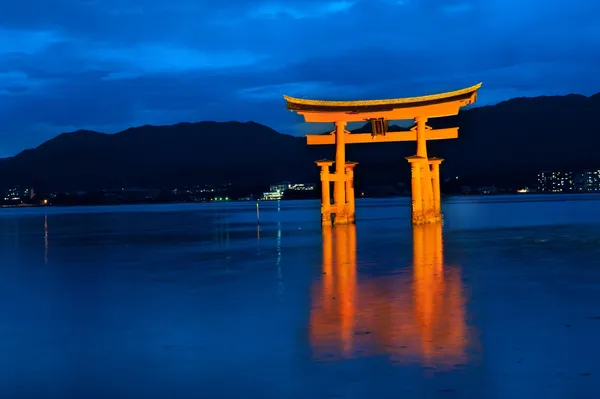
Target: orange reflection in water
x=412 y=317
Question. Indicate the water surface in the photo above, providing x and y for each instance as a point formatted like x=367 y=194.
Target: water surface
x=199 y=301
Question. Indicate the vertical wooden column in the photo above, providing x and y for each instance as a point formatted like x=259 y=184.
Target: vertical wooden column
x=435 y=183
x=427 y=189
x=325 y=192
x=339 y=185
x=350 y=204
x=416 y=188
x=421 y=139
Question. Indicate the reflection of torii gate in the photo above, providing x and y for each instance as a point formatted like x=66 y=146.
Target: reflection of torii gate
x=419 y=316
x=424 y=170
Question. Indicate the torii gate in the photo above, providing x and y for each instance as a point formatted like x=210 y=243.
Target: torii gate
x=425 y=181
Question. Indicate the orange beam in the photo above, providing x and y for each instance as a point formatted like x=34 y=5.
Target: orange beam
x=429 y=111
x=337 y=177
x=358 y=138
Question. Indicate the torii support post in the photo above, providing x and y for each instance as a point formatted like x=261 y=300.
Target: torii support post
x=425 y=181
x=325 y=192
x=344 y=213
x=339 y=185
x=434 y=163
x=350 y=204
x=417 y=209
x=427 y=190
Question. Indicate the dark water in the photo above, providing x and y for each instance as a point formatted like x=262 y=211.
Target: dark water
x=194 y=301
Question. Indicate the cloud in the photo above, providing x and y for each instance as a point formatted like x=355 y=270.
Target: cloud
x=303 y=89
x=302 y=10
x=111 y=64
x=14 y=83
x=164 y=59
x=24 y=41
x=458 y=8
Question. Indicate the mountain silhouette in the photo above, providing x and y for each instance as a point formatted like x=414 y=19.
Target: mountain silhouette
x=505 y=144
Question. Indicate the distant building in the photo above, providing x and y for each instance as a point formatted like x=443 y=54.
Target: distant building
x=276 y=191
x=555 y=182
x=272 y=195
x=567 y=182
x=589 y=181
x=579 y=184
x=18 y=194
x=487 y=189
x=302 y=187
x=13 y=194
x=280 y=187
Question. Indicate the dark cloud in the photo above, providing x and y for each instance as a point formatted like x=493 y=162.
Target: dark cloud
x=110 y=64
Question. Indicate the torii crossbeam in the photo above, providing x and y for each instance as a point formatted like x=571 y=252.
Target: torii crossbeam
x=425 y=179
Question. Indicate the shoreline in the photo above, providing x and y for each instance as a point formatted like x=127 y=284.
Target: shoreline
x=447 y=196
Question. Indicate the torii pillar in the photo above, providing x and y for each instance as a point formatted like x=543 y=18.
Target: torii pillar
x=434 y=164
x=325 y=191
x=344 y=212
x=425 y=180
x=339 y=185
x=350 y=204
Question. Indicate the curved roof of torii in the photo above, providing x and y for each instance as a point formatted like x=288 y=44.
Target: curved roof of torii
x=298 y=104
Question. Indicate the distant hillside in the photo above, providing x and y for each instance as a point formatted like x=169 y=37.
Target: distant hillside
x=150 y=156
x=504 y=144
x=515 y=139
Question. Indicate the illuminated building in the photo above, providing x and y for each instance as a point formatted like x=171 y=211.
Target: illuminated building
x=272 y=195
x=555 y=182
x=291 y=186
x=276 y=191
x=280 y=187
x=17 y=194
x=568 y=182
x=302 y=187
x=589 y=181
x=13 y=194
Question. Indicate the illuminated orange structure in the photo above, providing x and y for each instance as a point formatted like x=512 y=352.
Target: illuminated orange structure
x=418 y=317
x=425 y=171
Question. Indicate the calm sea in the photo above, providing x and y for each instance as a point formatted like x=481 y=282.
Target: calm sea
x=198 y=301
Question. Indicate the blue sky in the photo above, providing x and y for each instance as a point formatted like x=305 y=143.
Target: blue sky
x=110 y=64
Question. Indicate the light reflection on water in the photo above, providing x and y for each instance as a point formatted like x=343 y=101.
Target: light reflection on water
x=201 y=301
x=413 y=316
x=46 y=242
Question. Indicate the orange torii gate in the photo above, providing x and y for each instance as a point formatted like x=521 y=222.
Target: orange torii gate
x=424 y=171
